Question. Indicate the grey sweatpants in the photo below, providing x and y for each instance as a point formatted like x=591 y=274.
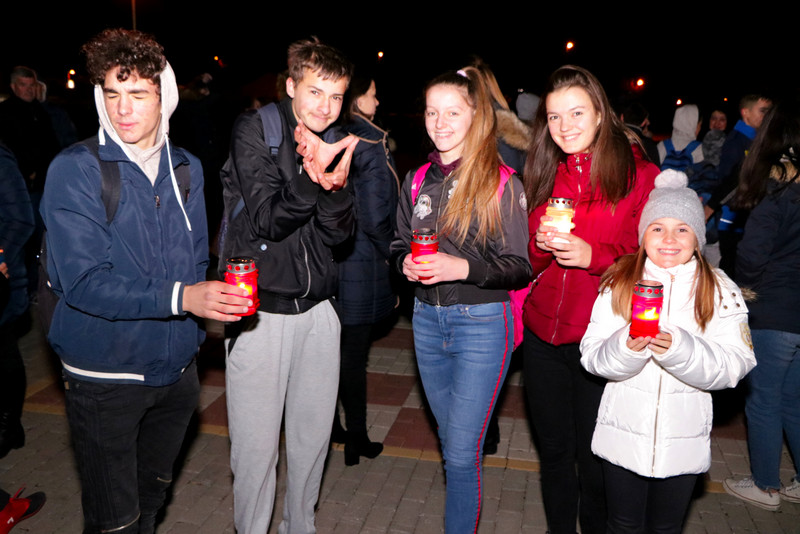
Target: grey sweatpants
x=281 y=364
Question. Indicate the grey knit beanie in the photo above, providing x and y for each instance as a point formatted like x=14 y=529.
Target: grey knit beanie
x=671 y=198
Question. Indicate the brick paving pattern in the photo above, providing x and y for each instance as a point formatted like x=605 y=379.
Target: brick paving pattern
x=401 y=491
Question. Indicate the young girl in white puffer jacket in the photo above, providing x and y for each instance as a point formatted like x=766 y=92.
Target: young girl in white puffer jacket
x=655 y=417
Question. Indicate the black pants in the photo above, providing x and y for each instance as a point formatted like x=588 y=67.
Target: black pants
x=356 y=341
x=563 y=400
x=126 y=439
x=12 y=372
x=639 y=505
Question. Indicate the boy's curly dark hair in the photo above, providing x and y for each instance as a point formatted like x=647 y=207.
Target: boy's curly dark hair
x=130 y=50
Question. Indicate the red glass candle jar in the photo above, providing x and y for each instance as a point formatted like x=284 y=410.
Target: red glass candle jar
x=242 y=272
x=648 y=297
x=423 y=242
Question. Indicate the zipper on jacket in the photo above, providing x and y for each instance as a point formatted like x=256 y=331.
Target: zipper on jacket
x=655 y=422
x=438 y=214
x=558 y=308
x=158 y=201
x=671 y=285
x=564 y=277
x=660 y=377
x=308 y=269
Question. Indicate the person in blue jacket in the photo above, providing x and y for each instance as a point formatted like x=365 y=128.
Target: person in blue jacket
x=366 y=296
x=16 y=226
x=132 y=292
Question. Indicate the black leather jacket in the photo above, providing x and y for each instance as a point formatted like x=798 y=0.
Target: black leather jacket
x=291 y=223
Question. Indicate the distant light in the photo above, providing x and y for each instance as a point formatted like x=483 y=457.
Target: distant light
x=216 y=58
x=725 y=99
x=380 y=54
x=70 y=84
x=679 y=102
x=72 y=72
x=570 y=45
x=640 y=82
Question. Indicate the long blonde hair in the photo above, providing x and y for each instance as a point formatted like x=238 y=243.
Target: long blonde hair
x=629 y=269
x=478 y=174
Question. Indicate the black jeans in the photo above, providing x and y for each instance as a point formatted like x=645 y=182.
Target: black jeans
x=126 y=438
x=563 y=400
x=639 y=505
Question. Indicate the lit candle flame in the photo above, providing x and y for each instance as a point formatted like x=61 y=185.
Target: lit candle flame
x=650 y=314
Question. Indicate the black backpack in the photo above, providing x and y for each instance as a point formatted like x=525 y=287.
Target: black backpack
x=231 y=194
x=111 y=186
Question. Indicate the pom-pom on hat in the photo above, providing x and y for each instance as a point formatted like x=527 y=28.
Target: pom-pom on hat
x=671 y=198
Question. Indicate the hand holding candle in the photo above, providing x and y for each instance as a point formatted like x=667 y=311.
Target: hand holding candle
x=423 y=242
x=242 y=272
x=561 y=212
x=648 y=297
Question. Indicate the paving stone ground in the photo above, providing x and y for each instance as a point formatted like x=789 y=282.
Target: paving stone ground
x=401 y=491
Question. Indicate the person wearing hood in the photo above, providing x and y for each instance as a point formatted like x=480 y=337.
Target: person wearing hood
x=132 y=291
x=685 y=127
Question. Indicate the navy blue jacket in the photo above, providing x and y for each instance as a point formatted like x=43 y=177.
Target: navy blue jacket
x=120 y=318
x=768 y=260
x=365 y=289
x=16 y=226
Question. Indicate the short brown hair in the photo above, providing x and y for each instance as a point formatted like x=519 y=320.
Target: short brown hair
x=313 y=55
x=130 y=50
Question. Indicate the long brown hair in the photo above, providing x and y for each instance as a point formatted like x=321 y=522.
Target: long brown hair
x=629 y=269
x=478 y=174
x=613 y=164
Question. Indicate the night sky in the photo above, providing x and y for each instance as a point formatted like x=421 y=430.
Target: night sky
x=702 y=59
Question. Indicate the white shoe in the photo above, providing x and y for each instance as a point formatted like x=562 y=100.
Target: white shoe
x=747 y=490
x=791 y=492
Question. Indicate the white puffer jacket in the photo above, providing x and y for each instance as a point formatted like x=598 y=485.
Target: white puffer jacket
x=655 y=416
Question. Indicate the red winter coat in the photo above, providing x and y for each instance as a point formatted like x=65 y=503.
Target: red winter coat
x=559 y=306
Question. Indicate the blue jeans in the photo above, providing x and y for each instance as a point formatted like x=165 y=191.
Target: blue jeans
x=463 y=352
x=126 y=438
x=773 y=404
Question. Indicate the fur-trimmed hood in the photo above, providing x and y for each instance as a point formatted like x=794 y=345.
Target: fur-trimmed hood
x=776 y=173
x=512 y=130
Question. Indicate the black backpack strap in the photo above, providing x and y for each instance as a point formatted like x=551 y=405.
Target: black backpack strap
x=109 y=179
x=273 y=128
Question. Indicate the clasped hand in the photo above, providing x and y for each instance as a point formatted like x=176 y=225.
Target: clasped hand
x=658 y=344
x=318 y=155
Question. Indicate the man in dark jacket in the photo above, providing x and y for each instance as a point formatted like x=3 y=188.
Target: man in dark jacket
x=286 y=358
x=121 y=326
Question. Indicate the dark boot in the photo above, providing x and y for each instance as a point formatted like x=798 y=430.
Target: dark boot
x=360 y=445
x=338 y=434
x=492 y=436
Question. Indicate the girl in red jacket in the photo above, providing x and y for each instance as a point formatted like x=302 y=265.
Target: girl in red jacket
x=580 y=151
